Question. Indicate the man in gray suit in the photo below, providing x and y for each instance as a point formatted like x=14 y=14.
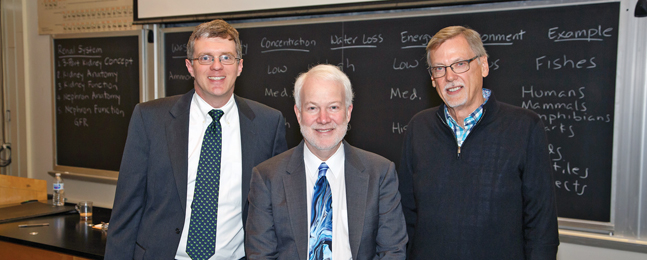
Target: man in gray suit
x=284 y=220
x=161 y=169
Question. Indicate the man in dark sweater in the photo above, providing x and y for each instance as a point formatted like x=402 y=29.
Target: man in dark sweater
x=475 y=173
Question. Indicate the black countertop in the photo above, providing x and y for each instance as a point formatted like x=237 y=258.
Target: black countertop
x=66 y=233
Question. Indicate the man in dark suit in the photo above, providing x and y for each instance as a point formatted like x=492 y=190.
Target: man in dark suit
x=325 y=198
x=158 y=199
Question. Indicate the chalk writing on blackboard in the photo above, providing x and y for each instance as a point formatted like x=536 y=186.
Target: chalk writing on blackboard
x=559 y=62
x=96 y=88
x=502 y=38
x=88 y=89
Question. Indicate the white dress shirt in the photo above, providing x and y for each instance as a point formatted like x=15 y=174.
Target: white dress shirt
x=337 y=182
x=229 y=233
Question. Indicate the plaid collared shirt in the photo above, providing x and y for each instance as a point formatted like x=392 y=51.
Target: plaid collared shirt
x=470 y=121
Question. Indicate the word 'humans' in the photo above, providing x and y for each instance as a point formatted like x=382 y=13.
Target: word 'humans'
x=532 y=93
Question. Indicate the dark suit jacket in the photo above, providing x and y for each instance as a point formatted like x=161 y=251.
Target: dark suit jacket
x=150 y=201
x=277 y=225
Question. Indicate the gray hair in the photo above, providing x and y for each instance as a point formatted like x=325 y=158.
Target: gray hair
x=324 y=72
x=473 y=39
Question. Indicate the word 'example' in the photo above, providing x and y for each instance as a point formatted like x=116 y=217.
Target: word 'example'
x=591 y=34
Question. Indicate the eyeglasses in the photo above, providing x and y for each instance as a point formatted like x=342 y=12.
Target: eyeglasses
x=458 y=67
x=206 y=59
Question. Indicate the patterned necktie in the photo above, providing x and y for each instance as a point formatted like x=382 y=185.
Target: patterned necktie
x=201 y=243
x=320 y=239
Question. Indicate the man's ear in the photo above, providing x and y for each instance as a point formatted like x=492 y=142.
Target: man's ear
x=298 y=114
x=485 y=66
x=189 y=67
x=240 y=67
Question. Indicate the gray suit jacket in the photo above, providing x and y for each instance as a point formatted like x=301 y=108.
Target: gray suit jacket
x=150 y=201
x=277 y=224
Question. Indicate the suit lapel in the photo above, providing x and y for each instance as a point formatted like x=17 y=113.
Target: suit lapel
x=356 y=190
x=294 y=183
x=247 y=141
x=177 y=137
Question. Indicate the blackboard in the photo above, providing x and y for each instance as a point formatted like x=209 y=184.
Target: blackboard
x=96 y=88
x=559 y=61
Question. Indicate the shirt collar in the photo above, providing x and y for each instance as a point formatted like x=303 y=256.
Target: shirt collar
x=475 y=115
x=204 y=108
x=335 y=162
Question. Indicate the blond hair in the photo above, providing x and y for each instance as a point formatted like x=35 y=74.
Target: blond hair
x=213 y=29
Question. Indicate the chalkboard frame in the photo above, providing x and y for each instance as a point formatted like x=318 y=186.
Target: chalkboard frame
x=82 y=173
x=305 y=10
x=565 y=223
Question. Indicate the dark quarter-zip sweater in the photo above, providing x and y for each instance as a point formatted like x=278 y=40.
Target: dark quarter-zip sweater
x=492 y=200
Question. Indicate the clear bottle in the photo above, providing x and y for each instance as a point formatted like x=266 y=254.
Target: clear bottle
x=59 y=191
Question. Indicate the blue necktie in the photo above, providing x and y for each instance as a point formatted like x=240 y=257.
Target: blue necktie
x=201 y=244
x=320 y=239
